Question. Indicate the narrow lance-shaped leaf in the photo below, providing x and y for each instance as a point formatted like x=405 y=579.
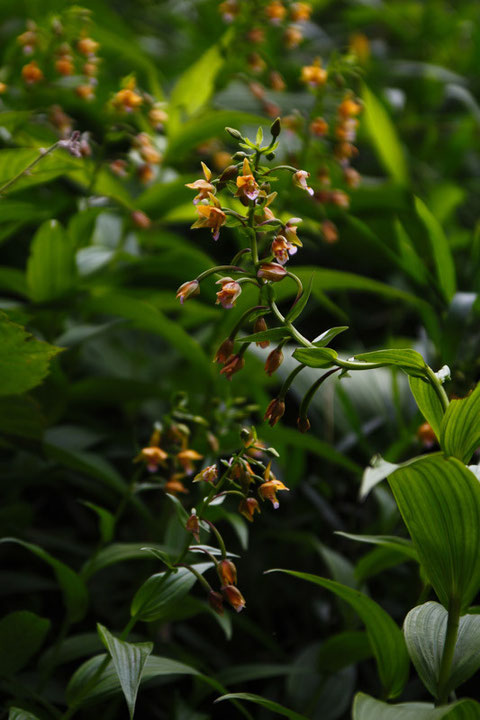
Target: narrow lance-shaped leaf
x=153 y=598
x=439 y=500
x=51 y=264
x=264 y=702
x=384 y=137
x=442 y=254
x=428 y=402
x=273 y=335
x=385 y=637
x=129 y=661
x=425 y=628
x=299 y=306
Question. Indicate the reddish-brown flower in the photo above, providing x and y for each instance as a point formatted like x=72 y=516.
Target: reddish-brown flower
x=174 y=486
x=261 y=326
x=31 y=73
x=87 y=46
x=274 y=411
x=215 y=600
x=234 y=364
x=273 y=361
x=193 y=526
x=271 y=271
x=224 y=351
x=141 y=220
x=426 y=435
x=319 y=127
x=329 y=232
x=248 y=507
x=233 y=595
x=292 y=37
x=300 y=11
x=229 y=293
x=227 y=572
x=275 y=12
x=303 y=424
x=187 y=290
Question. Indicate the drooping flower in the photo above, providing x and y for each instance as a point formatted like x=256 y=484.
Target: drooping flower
x=186 y=459
x=193 y=525
x=303 y=424
x=208 y=474
x=233 y=595
x=246 y=183
x=274 y=411
x=261 y=326
x=290 y=231
x=282 y=249
x=87 y=46
x=314 y=75
x=227 y=572
x=271 y=271
x=174 y=486
x=127 y=99
x=152 y=456
x=224 y=351
x=248 y=507
x=210 y=216
x=229 y=292
x=234 y=364
x=300 y=180
x=273 y=361
x=268 y=489
x=275 y=12
x=329 y=232
x=319 y=127
x=187 y=290
x=31 y=73
x=215 y=600
x=349 y=107
x=301 y=11
x=203 y=185
x=292 y=37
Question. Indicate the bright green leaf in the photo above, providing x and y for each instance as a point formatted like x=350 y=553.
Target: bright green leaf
x=51 y=264
x=408 y=360
x=428 y=402
x=384 y=138
x=316 y=357
x=325 y=337
x=460 y=430
x=442 y=254
x=385 y=637
x=272 y=335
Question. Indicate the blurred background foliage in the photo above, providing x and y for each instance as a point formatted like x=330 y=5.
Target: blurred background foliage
x=90 y=257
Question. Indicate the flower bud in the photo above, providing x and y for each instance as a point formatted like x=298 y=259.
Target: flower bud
x=329 y=232
x=224 y=351
x=227 y=572
x=234 y=133
x=303 y=424
x=215 y=600
x=141 y=220
x=261 y=326
x=271 y=271
x=229 y=173
x=234 y=364
x=192 y=287
x=426 y=435
x=276 y=128
x=274 y=360
x=274 y=411
x=247 y=508
x=193 y=525
x=234 y=597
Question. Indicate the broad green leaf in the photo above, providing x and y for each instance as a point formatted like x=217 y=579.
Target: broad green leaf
x=425 y=628
x=401 y=545
x=384 y=138
x=115 y=553
x=460 y=430
x=51 y=264
x=324 y=338
x=316 y=357
x=439 y=500
x=23 y=359
x=21 y=635
x=273 y=335
x=84 y=690
x=385 y=637
x=299 y=306
x=129 y=661
x=151 y=601
x=342 y=650
x=367 y=708
x=14 y=161
x=408 y=360
x=73 y=588
x=428 y=402
x=268 y=704
x=441 y=252
x=16 y=713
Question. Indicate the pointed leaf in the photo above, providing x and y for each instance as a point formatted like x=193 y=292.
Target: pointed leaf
x=324 y=338
x=106 y=520
x=379 y=470
x=460 y=430
x=75 y=594
x=439 y=500
x=428 y=402
x=151 y=601
x=384 y=137
x=342 y=650
x=51 y=264
x=425 y=628
x=21 y=635
x=129 y=661
x=16 y=713
x=273 y=335
x=408 y=360
x=319 y=357
x=269 y=704
x=401 y=545
x=297 y=309
x=385 y=637
x=442 y=255
x=367 y=708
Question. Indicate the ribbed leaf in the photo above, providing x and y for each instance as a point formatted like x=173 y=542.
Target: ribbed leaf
x=152 y=599
x=408 y=360
x=75 y=594
x=269 y=704
x=439 y=499
x=428 y=402
x=316 y=357
x=16 y=713
x=21 y=635
x=385 y=637
x=460 y=430
x=129 y=661
x=379 y=470
x=367 y=708
x=425 y=628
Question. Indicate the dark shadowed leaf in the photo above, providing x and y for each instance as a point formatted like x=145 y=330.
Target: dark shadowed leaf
x=21 y=635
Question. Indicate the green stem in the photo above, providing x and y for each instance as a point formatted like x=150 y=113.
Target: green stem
x=308 y=397
x=244 y=316
x=221 y=544
x=438 y=387
x=448 y=651
x=288 y=381
x=199 y=577
x=26 y=170
x=219 y=269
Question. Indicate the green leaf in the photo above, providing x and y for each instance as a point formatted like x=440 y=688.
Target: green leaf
x=408 y=360
x=412 y=263
x=384 y=138
x=269 y=704
x=379 y=470
x=428 y=402
x=385 y=637
x=442 y=254
x=460 y=430
x=23 y=359
x=273 y=335
x=425 y=629
x=297 y=309
x=106 y=521
x=129 y=661
x=16 y=713
x=115 y=553
x=316 y=357
x=342 y=650
x=401 y=545
x=367 y=708
x=84 y=690
x=21 y=635
x=74 y=591
x=14 y=161
x=324 y=338
x=51 y=264
x=151 y=601
x=439 y=499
